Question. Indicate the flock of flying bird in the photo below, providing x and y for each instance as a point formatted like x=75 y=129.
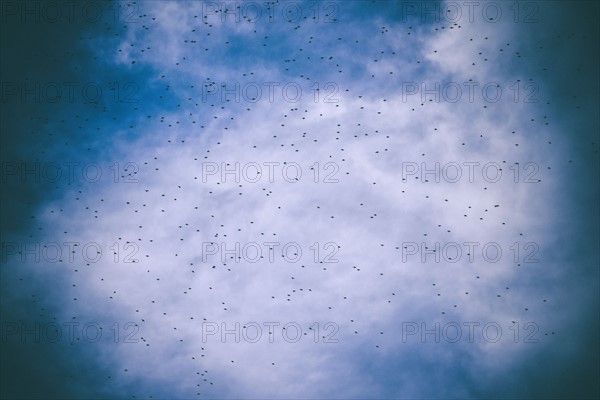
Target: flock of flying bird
x=171 y=210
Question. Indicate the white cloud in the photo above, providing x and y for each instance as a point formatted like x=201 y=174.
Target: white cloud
x=405 y=212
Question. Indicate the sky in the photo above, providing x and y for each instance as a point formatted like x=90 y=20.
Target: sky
x=299 y=199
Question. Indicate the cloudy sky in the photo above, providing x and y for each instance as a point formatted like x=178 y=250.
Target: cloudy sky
x=359 y=199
